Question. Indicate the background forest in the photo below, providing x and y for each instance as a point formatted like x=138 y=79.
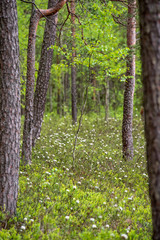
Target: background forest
x=78 y=185
x=101 y=49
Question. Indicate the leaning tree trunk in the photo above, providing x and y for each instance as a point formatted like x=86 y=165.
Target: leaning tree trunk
x=127 y=139
x=73 y=67
x=9 y=106
x=150 y=54
x=44 y=73
x=28 y=123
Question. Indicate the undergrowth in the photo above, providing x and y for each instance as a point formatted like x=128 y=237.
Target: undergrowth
x=98 y=196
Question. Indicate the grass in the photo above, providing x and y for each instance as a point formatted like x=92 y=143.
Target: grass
x=98 y=196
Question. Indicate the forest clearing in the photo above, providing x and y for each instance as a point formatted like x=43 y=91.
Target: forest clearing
x=79 y=119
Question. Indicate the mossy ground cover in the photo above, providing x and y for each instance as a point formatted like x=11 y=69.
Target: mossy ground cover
x=97 y=196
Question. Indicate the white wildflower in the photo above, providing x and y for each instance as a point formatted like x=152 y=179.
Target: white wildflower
x=23 y=227
x=94 y=226
x=124 y=236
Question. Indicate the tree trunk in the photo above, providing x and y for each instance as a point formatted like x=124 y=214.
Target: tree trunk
x=93 y=84
x=58 y=101
x=66 y=91
x=28 y=123
x=44 y=73
x=150 y=54
x=107 y=100
x=73 y=67
x=9 y=106
x=50 y=97
x=127 y=139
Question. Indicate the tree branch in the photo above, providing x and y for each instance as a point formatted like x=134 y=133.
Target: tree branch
x=51 y=11
x=82 y=34
x=116 y=19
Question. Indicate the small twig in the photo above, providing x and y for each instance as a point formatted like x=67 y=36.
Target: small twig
x=79 y=125
x=103 y=1
x=63 y=26
x=82 y=112
x=116 y=19
x=121 y=1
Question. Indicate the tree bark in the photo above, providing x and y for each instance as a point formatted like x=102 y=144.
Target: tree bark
x=66 y=91
x=9 y=106
x=107 y=100
x=127 y=139
x=93 y=105
x=50 y=97
x=150 y=55
x=44 y=73
x=28 y=123
x=73 y=67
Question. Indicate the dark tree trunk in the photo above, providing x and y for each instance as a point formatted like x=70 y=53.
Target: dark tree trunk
x=9 y=106
x=107 y=99
x=58 y=101
x=73 y=67
x=127 y=139
x=66 y=84
x=93 y=83
x=66 y=91
x=44 y=73
x=28 y=123
x=58 y=90
x=150 y=54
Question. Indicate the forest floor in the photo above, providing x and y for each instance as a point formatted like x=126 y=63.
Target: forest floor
x=97 y=196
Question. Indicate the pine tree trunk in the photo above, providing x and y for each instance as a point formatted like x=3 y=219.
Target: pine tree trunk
x=28 y=123
x=127 y=139
x=9 y=106
x=150 y=54
x=73 y=67
x=44 y=73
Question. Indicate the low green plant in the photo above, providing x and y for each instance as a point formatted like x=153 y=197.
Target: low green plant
x=98 y=197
